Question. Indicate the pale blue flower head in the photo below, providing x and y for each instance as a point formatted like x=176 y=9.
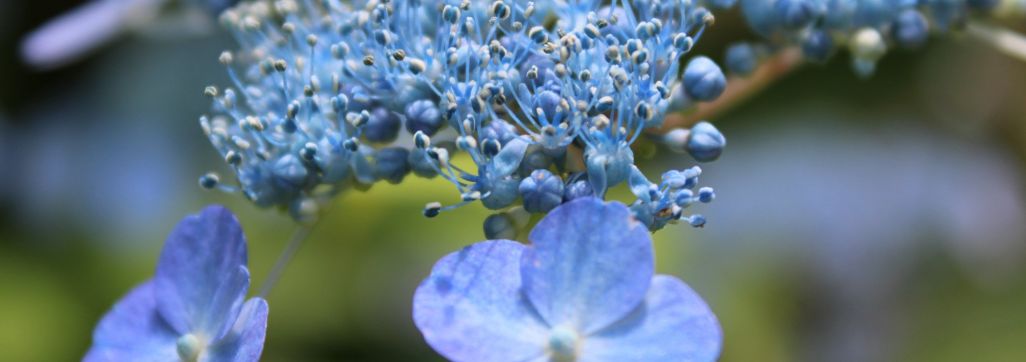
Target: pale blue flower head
x=325 y=96
x=195 y=308
x=584 y=290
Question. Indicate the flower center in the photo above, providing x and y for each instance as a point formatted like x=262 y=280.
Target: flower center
x=563 y=344
x=190 y=347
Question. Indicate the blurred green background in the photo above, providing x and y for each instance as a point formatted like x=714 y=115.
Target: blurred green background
x=856 y=220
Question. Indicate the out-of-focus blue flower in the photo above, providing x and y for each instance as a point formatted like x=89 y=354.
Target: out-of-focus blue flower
x=910 y=29
x=820 y=25
x=322 y=92
x=818 y=46
x=78 y=32
x=795 y=14
x=584 y=290
x=194 y=309
x=741 y=58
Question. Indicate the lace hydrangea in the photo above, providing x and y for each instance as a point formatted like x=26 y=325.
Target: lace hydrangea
x=331 y=95
x=869 y=28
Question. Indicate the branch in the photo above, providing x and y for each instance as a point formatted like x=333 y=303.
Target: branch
x=738 y=90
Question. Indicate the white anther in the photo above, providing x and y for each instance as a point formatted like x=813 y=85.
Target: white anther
x=225 y=58
x=251 y=122
x=240 y=143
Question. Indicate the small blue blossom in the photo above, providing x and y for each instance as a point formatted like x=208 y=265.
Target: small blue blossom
x=664 y=203
x=741 y=58
x=584 y=290
x=194 y=309
x=499 y=226
x=817 y=46
x=703 y=79
x=705 y=143
x=542 y=191
x=494 y=183
x=577 y=186
x=910 y=29
x=391 y=164
x=795 y=14
x=382 y=126
x=507 y=224
x=422 y=115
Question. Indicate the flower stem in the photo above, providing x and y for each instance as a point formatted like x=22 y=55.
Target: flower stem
x=298 y=236
x=1004 y=40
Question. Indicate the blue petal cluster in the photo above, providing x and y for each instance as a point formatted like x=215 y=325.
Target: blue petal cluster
x=331 y=95
x=584 y=290
x=195 y=308
x=868 y=27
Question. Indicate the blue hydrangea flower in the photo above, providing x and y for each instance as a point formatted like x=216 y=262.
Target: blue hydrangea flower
x=583 y=291
x=325 y=96
x=194 y=309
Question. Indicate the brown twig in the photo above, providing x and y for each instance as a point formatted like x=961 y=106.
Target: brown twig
x=738 y=89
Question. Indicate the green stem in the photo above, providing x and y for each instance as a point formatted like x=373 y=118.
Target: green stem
x=291 y=248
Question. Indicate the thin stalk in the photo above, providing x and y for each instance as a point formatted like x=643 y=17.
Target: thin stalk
x=738 y=90
x=302 y=231
x=1004 y=40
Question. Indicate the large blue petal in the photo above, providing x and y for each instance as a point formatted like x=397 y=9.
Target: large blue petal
x=672 y=325
x=79 y=31
x=134 y=331
x=471 y=307
x=201 y=276
x=245 y=341
x=591 y=264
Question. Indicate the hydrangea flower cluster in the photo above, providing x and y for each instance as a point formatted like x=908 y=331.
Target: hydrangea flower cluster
x=195 y=308
x=869 y=28
x=544 y=99
x=584 y=290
